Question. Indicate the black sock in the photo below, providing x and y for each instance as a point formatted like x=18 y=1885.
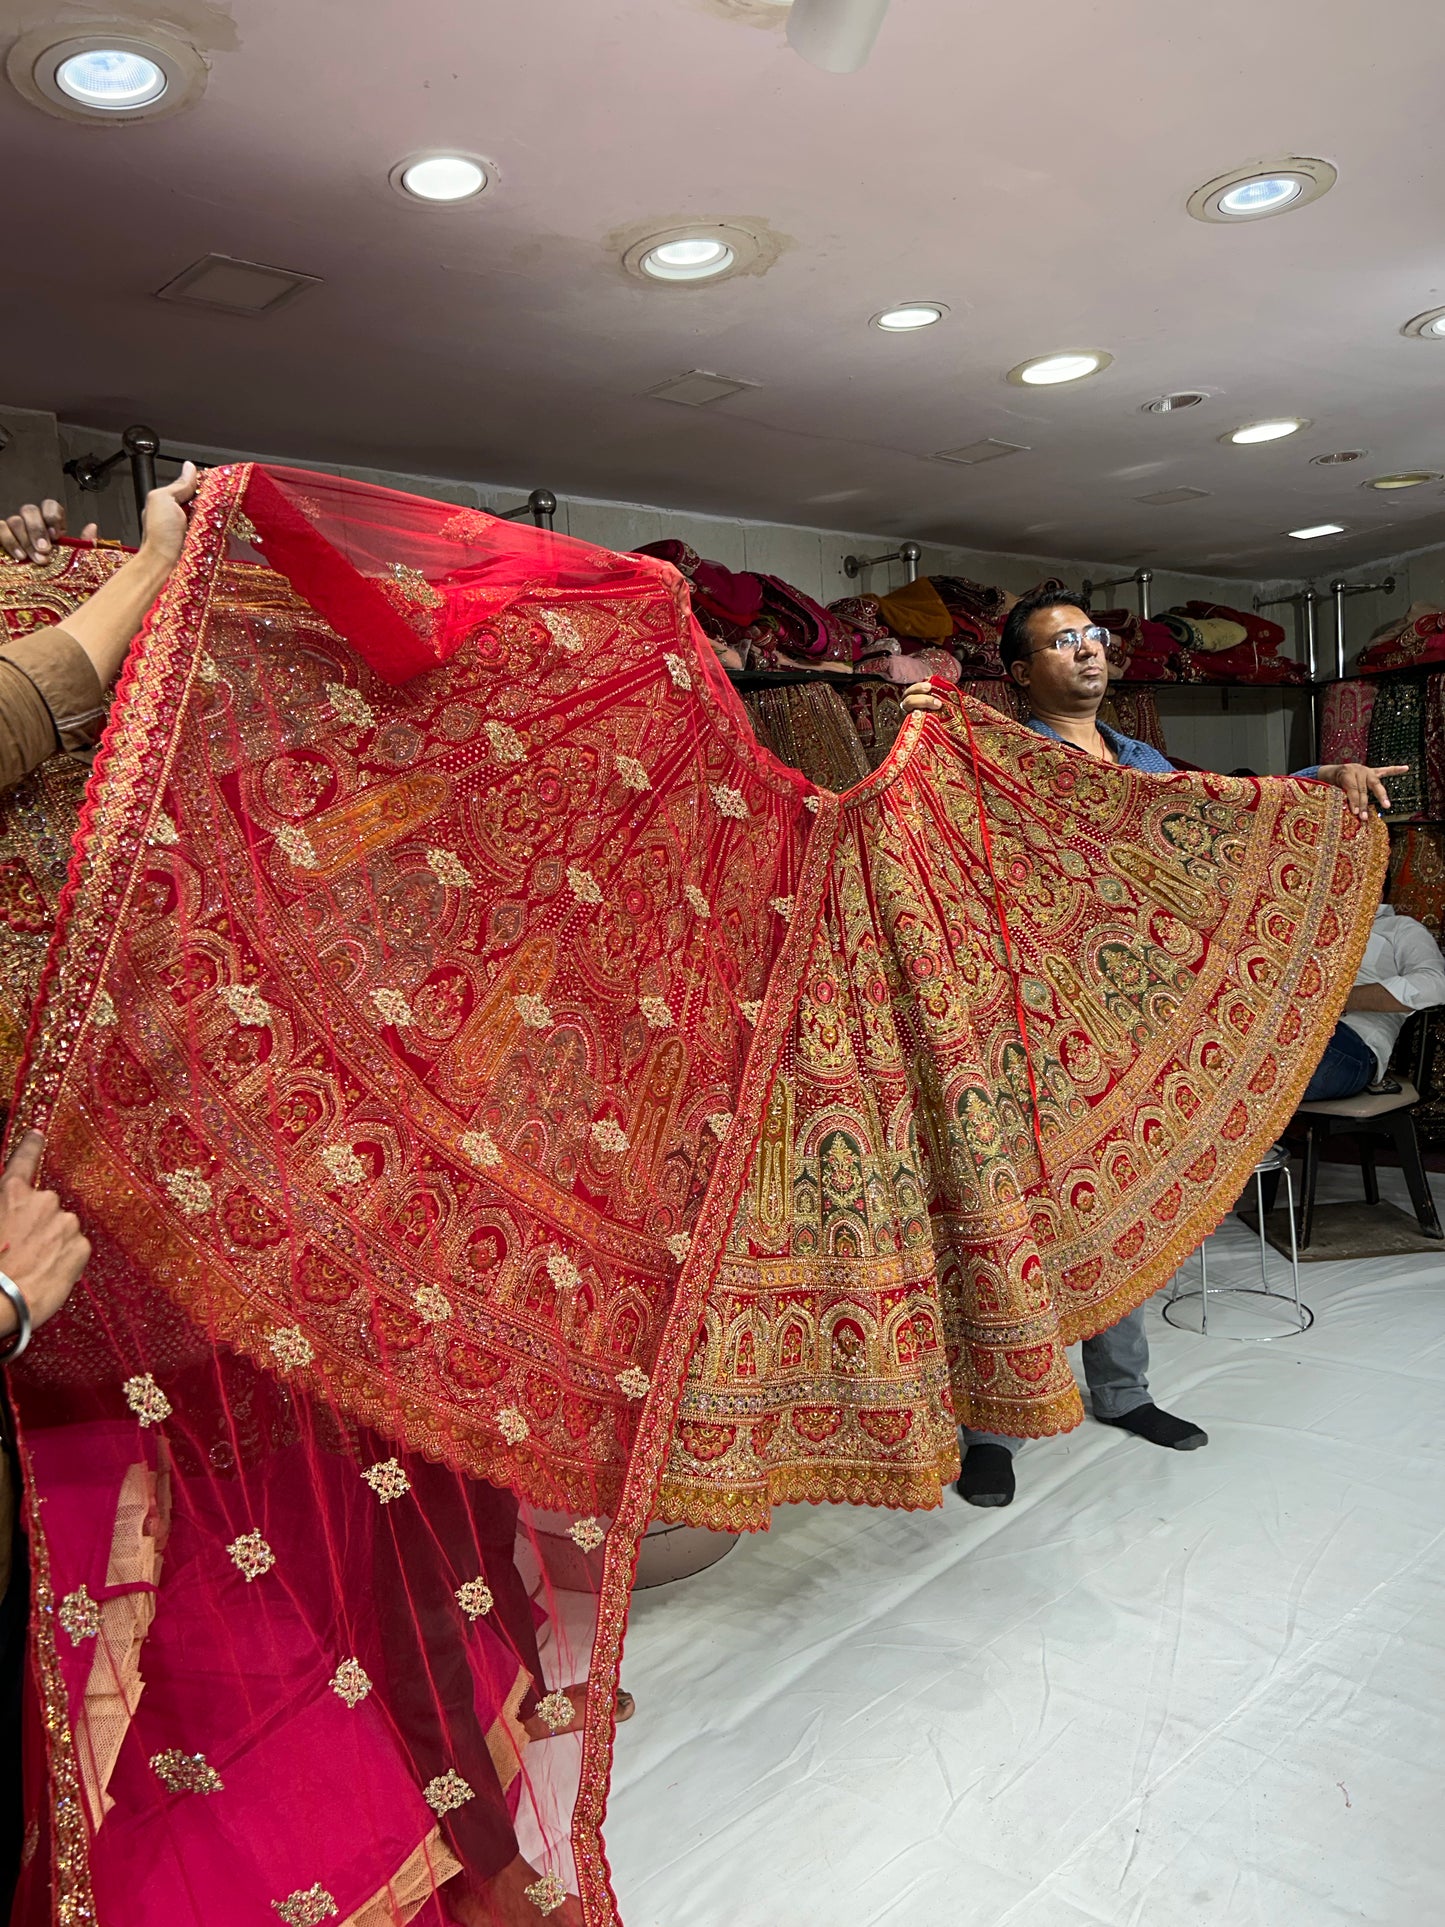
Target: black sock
x=1161 y=1428
x=988 y=1475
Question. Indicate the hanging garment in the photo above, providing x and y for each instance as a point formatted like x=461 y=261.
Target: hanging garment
x=1345 y=724
x=808 y=727
x=1397 y=735
x=1417 y=875
x=1434 y=696
x=489 y=1080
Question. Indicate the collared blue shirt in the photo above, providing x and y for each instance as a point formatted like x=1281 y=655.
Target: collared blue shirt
x=1130 y=753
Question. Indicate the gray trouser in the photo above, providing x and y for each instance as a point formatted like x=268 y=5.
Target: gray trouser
x=1116 y=1364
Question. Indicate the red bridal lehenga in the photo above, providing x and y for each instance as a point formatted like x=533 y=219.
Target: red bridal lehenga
x=508 y=1105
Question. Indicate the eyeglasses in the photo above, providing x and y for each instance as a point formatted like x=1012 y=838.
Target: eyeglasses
x=1075 y=639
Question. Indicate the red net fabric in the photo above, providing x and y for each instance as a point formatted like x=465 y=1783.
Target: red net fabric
x=454 y=1015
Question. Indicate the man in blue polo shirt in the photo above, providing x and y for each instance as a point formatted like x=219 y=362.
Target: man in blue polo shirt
x=1053 y=651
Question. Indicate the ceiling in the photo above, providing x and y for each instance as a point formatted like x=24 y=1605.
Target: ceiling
x=1026 y=166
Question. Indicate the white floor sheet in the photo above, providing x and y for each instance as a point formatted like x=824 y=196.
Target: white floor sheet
x=1160 y=1690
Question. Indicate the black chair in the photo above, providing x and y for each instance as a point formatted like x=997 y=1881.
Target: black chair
x=1370 y=1117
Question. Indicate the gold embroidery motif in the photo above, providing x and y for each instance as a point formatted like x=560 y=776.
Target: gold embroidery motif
x=251 y=1556
x=446 y=1793
x=392 y=1007
x=677 y=669
x=679 y=1244
x=102 y=1011
x=512 y=1426
x=587 y=1534
x=146 y=1399
x=561 y=631
x=245 y=1003
x=556 y=1711
x=475 y=1598
x=351 y=1682
x=729 y=802
x=79 y=1614
x=448 y=867
x=752 y=1010
x=387 y=1480
x=296 y=846
x=207 y=668
x=561 y=1270
x=655 y=1010
x=698 y=901
x=433 y=1306
x=546 y=1894
x=811 y=803
x=719 y=1123
x=784 y=907
x=244 y=529
x=306 y=1908
x=609 y=1134
x=507 y=745
x=634 y=1382
x=190 y=1191
x=343 y=1164
x=534 y=1013
x=185 y=1772
x=415 y=587
x=163 y=831
x=584 y=885
x=481 y=1148
x=350 y=705
x=293 y=1350
x=634 y=776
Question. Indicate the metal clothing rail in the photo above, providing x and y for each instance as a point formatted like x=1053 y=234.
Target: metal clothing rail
x=1141 y=578
x=908 y=553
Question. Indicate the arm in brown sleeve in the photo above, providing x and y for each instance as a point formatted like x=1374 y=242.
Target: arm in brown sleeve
x=50 y=699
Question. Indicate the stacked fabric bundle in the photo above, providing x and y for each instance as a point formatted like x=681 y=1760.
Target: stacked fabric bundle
x=1222 y=644
x=1411 y=641
x=758 y=618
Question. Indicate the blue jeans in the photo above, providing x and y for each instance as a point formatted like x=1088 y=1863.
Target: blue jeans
x=1347 y=1066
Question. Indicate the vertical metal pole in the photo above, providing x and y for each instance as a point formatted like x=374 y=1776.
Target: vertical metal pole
x=1309 y=599
x=1337 y=590
x=1144 y=578
x=910 y=553
x=142 y=445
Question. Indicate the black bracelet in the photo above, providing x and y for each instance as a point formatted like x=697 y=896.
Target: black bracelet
x=20 y=1337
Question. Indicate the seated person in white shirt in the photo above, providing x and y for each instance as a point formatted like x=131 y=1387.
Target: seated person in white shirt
x=1403 y=971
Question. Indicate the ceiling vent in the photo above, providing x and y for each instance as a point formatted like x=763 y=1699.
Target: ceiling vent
x=236 y=287
x=988 y=450
x=1171 y=404
x=1340 y=455
x=1166 y=497
x=698 y=388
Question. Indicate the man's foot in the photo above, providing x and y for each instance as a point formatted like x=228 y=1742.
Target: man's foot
x=988 y=1475
x=518 y=1897
x=1160 y=1428
x=540 y=1728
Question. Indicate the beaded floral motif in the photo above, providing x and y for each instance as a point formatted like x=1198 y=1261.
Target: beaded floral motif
x=608 y=1133
x=433 y=1306
x=251 y=1556
x=349 y=705
x=387 y=1480
x=561 y=1270
x=163 y=831
x=102 y=1010
x=584 y=885
x=415 y=587
x=587 y=1535
x=146 y=1399
x=507 y=745
x=512 y=1426
x=207 y=668
x=475 y=1598
x=293 y=1350
x=307 y=1907
x=729 y=802
x=480 y=1147
x=79 y=1614
x=719 y=1123
x=678 y=670
x=679 y=1244
x=752 y=1010
x=546 y=1894
x=447 y=1792
x=560 y=629
x=656 y=1012
x=448 y=867
x=245 y=1003
x=341 y=1161
x=532 y=1010
x=698 y=901
x=392 y=1007
x=633 y=775
x=296 y=846
x=784 y=907
x=185 y=1772
x=634 y=1382
x=556 y=1711
x=812 y=803
x=190 y=1191
x=244 y=529
x=351 y=1682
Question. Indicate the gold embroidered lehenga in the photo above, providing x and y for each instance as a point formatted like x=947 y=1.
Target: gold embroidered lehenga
x=506 y=1101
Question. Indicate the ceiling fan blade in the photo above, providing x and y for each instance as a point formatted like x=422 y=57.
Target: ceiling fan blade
x=836 y=35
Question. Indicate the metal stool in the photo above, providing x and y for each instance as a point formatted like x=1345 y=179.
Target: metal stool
x=1274 y=1163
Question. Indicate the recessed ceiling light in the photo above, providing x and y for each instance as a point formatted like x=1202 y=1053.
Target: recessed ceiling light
x=1071 y=364
x=1312 y=534
x=1169 y=404
x=1429 y=326
x=1340 y=455
x=1254 y=193
x=1271 y=431
x=116 y=73
x=912 y=314
x=440 y=178
x=1413 y=479
x=699 y=252
x=697 y=260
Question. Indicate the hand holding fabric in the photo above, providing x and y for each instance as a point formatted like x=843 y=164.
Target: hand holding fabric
x=29 y=534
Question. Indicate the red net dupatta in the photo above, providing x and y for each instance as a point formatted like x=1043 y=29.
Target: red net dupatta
x=505 y=1102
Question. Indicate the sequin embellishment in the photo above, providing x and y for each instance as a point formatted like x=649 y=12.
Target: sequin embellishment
x=387 y=1480
x=587 y=1535
x=79 y=1614
x=475 y=1598
x=251 y=1556
x=447 y=1792
x=307 y=1907
x=556 y=1711
x=351 y=1682
x=185 y=1772
x=546 y=1894
x=293 y=1350
x=146 y=1399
